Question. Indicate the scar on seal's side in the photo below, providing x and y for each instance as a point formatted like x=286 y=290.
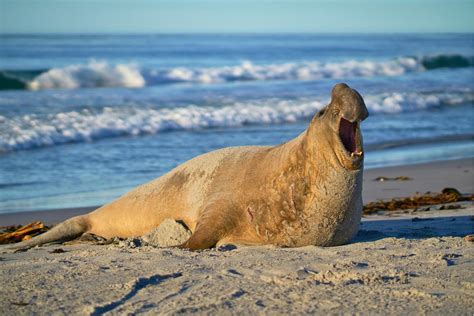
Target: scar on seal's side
x=307 y=191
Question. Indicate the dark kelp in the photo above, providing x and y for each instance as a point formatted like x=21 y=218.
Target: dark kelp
x=448 y=195
x=13 y=234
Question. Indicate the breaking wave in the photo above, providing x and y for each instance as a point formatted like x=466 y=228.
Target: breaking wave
x=17 y=79
x=32 y=131
x=94 y=74
x=101 y=74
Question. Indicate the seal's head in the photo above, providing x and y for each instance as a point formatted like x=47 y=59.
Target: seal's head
x=338 y=127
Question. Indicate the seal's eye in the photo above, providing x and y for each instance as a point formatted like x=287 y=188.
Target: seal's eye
x=321 y=113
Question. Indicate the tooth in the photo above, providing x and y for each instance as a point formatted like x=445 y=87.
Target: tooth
x=356 y=153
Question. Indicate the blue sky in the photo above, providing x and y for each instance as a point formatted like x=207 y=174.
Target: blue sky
x=223 y=16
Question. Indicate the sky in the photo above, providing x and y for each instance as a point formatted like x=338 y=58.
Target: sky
x=237 y=16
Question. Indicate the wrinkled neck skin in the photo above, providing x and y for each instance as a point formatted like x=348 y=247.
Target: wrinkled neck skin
x=316 y=200
x=335 y=184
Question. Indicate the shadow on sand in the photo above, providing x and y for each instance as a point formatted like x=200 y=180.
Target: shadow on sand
x=415 y=228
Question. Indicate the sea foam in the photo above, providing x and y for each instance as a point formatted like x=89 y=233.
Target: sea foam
x=32 y=131
x=102 y=74
x=288 y=71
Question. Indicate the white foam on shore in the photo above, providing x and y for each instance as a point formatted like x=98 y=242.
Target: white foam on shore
x=32 y=131
x=93 y=74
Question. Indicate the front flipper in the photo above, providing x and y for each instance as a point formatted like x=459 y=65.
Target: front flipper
x=201 y=239
x=216 y=221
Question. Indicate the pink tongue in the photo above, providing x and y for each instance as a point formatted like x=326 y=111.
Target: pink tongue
x=347 y=134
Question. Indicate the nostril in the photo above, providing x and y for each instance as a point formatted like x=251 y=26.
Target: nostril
x=365 y=114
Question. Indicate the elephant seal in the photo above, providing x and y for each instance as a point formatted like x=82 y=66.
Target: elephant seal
x=307 y=191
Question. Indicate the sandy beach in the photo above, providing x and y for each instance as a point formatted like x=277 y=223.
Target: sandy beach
x=400 y=263
x=215 y=125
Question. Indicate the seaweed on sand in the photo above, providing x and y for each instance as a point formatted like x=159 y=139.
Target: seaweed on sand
x=448 y=195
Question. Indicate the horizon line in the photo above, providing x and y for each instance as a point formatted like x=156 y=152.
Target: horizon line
x=245 y=33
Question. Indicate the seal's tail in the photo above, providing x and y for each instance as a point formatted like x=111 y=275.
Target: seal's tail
x=67 y=230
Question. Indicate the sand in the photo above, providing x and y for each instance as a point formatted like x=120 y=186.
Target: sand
x=399 y=263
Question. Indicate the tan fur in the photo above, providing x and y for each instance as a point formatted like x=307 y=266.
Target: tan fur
x=304 y=192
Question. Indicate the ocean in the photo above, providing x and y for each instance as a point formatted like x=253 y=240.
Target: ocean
x=85 y=118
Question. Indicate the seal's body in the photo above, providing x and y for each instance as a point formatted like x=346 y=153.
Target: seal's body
x=307 y=191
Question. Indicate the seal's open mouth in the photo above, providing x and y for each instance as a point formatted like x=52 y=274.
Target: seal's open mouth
x=350 y=137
